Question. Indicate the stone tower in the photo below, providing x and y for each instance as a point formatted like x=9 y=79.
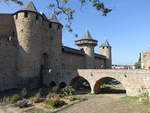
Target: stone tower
x=105 y=49
x=56 y=42
x=87 y=44
x=28 y=26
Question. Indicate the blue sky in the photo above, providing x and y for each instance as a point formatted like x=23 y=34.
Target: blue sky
x=127 y=27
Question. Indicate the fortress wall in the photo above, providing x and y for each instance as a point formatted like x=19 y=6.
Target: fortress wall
x=7 y=64
x=8 y=52
x=99 y=62
x=72 y=61
x=6 y=24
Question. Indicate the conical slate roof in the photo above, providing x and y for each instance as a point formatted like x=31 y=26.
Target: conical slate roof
x=44 y=16
x=29 y=6
x=87 y=35
x=53 y=18
x=106 y=44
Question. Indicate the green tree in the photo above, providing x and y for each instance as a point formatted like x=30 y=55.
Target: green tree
x=62 y=7
x=138 y=64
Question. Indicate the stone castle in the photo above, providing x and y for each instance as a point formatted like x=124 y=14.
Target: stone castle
x=31 y=43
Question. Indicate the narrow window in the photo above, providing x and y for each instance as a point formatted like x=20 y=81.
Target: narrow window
x=16 y=16
x=13 y=34
x=50 y=25
x=37 y=17
x=25 y=14
x=58 y=27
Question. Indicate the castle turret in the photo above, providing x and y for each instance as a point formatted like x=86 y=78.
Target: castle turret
x=56 y=42
x=28 y=26
x=88 y=44
x=105 y=49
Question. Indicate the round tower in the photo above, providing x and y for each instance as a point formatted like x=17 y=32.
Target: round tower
x=55 y=42
x=105 y=49
x=88 y=44
x=28 y=26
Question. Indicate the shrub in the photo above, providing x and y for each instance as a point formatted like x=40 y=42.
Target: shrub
x=68 y=91
x=71 y=98
x=37 y=98
x=54 y=103
x=53 y=96
x=55 y=89
x=15 y=98
x=10 y=99
x=144 y=98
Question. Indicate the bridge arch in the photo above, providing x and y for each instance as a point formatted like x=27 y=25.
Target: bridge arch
x=108 y=80
x=80 y=83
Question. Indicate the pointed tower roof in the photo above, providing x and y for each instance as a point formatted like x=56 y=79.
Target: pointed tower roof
x=29 y=6
x=53 y=18
x=44 y=16
x=105 y=44
x=86 y=40
x=87 y=35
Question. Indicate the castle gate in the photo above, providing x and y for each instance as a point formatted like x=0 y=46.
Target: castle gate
x=135 y=82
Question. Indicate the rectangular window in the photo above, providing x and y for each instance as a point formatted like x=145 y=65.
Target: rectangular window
x=50 y=25
x=25 y=14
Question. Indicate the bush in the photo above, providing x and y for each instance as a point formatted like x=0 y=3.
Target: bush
x=37 y=98
x=71 y=98
x=10 y=99
x=55 y=103
x=68 y=91
x=144 y=98
x=15 y=98
x=55 y=89
x=53 y=96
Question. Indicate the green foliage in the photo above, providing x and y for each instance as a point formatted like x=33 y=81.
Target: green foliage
x=11 y=99
x=55 y=89
x=144 y=99
x=37 y=98
x=64 y=8
x=53 y=96
x=68 y=91
x=54 y=103
x=137 y=65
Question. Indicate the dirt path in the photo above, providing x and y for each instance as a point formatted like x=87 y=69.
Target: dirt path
x=103 y=104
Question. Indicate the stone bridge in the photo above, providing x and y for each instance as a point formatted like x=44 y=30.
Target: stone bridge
x=135 y=82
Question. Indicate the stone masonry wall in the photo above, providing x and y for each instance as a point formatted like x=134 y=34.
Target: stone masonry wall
x=8 y=52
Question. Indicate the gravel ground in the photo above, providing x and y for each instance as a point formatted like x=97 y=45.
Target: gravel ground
x=104 y=104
